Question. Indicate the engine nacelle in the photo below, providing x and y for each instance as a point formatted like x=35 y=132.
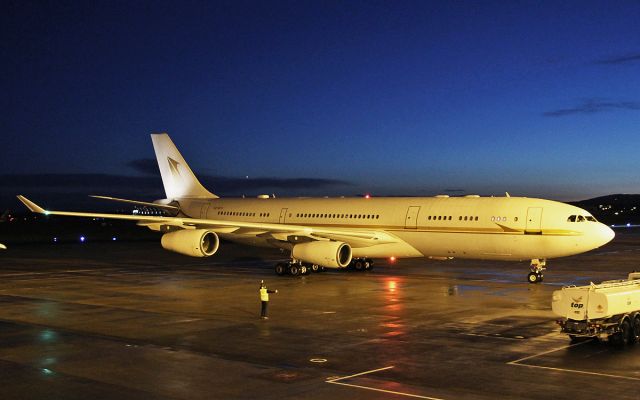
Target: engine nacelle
x=191 y=242
x=324 y=253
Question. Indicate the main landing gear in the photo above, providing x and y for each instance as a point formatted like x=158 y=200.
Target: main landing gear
x=537 y=266
x=296 y=267
x=361 y=264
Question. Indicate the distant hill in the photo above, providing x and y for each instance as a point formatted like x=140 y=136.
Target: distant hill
x=614 y=208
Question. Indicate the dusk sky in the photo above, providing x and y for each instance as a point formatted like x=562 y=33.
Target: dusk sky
x=539 y=99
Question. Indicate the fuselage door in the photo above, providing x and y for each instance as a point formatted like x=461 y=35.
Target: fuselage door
x=411 y=221
x=203 y=211
x=283 y=215
x=534 y=220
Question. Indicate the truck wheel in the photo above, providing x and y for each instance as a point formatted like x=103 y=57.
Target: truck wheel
x=622 y=338
x=636 y=329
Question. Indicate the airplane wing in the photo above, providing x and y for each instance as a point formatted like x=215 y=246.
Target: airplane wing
x=166 y=207
x=282 y=232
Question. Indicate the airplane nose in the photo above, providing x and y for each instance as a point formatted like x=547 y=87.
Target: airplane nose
x=606 y=234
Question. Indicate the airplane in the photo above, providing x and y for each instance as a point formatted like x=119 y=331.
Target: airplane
x=349 y=232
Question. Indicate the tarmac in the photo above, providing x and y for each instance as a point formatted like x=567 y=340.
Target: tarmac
x=118 y=320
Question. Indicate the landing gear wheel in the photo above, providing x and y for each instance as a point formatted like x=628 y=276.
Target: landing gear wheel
x=281 y=269
x=315 y=268
x=369 y=265
x=358 y=265
x=303 y=270
x=294 y=269
x=534 y=277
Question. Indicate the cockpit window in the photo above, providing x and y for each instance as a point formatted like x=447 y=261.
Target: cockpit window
x=581 y=218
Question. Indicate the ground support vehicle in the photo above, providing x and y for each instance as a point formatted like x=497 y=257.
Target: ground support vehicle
x=609 y=310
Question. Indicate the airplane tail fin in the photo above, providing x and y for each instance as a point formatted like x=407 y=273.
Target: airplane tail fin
x=177 y=178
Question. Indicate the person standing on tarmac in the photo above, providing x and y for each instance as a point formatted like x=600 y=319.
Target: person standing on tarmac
x=264 y=299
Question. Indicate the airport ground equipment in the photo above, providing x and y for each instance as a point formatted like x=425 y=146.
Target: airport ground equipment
x=608 y=310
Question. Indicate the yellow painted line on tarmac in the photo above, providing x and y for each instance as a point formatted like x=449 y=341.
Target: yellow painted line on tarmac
x=336 y=381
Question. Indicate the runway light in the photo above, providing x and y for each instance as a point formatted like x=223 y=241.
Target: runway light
x=55 y=239
x=114 y=238
x=628 y=224
x=367 y=196
x=82 y=239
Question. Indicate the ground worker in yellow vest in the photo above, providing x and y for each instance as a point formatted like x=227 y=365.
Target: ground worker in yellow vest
x=264 y=299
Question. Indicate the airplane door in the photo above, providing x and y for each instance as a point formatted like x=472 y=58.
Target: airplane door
x=411 y=221
x=203 y=211
x=534 y=220
x=283 y=215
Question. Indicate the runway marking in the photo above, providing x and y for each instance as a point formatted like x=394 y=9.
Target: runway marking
x=335 y=381
x=575 y=371
x=492 y=336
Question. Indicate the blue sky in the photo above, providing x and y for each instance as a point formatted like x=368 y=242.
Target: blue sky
x=395 y=98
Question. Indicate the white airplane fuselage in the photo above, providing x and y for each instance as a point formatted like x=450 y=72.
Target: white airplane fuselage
x=339 y=232
x=493 y=228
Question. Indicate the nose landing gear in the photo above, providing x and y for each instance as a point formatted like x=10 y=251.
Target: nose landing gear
x=537 y=267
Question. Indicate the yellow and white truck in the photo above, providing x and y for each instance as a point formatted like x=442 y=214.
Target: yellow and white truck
x=609 y=310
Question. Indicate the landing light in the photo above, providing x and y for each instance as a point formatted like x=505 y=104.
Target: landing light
x=114 y=238
x=55 y=239
x=82 y=239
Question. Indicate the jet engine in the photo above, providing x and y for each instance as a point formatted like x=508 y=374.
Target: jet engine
x=324 y=253
x=191 y=242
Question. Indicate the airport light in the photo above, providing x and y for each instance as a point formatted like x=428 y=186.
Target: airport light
x=392 y=259
x=114 y=238
x=55 y=239
x=82 y=239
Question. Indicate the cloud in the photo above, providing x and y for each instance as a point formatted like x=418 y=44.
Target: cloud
x=592 y=106
x=152 y=185
x=147 y=166
x=626 y=59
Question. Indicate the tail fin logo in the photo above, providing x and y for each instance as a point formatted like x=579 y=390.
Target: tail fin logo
x=173 y=167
